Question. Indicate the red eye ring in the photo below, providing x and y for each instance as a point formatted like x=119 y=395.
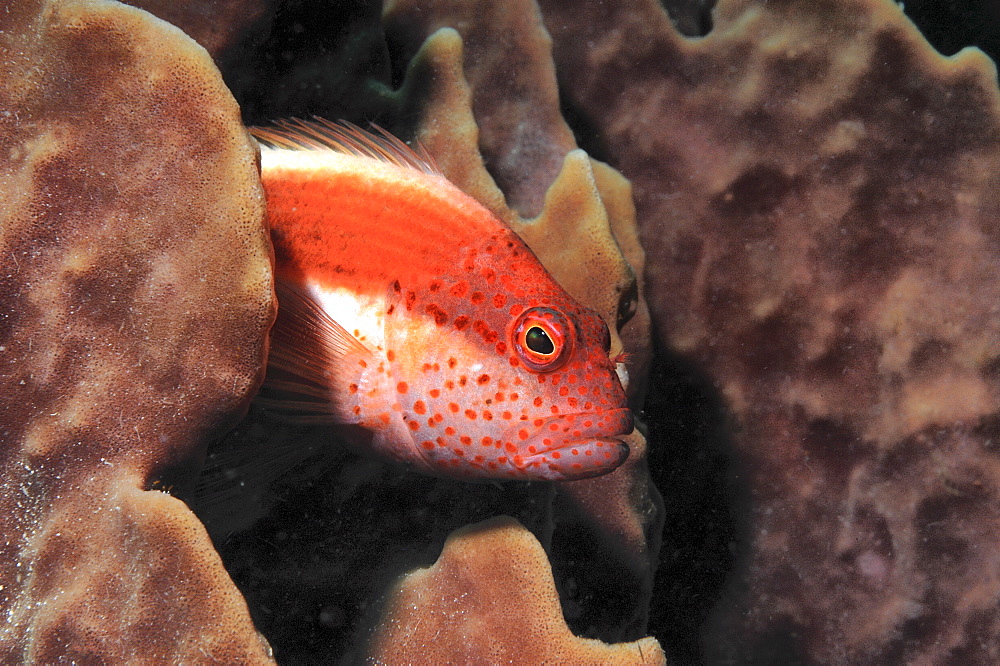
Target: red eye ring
x=542 y=338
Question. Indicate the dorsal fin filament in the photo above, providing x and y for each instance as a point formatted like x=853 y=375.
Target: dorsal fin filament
x=348 y=138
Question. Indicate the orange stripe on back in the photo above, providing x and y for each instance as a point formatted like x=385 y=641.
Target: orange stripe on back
x=337 y=217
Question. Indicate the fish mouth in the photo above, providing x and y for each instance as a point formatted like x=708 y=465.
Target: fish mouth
x=575 y=446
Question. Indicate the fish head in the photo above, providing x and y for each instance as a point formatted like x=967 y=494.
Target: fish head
x=498 y=380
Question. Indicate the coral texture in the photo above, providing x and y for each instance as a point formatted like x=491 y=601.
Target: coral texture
x=817 y=190
x=477 y=101
x=135 y=296
x=473 y=607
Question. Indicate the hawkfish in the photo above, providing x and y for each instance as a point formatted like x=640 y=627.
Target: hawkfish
x=417 y=320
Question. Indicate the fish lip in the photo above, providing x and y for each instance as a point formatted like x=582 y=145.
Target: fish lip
x=622 y=447
x=622 y=418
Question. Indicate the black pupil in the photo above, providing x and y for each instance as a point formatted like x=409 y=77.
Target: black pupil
x=539 y=341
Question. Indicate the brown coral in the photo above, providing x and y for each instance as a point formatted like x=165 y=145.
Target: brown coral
x=489 y=599
x=818 y=195
x=474 y=99
x=136 y=293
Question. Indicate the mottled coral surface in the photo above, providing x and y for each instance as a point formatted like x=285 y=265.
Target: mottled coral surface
x=817 y=191
x=127 y=339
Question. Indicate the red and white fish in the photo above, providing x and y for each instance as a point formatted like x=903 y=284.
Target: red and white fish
x=412 y=315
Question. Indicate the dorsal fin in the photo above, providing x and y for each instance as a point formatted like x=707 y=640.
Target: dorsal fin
x=345 y=137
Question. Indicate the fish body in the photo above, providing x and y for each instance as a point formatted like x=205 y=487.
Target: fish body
x=412 y=315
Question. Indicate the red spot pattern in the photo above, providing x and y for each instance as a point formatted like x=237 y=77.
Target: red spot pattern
x=440 y=316
x=550 y=405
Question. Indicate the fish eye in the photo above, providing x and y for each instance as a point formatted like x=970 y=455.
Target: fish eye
x=538 y=341
x=542 y=338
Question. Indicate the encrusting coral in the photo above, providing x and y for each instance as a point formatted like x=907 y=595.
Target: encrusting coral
x=469 y=603
x=135 y=298
x=818 y=195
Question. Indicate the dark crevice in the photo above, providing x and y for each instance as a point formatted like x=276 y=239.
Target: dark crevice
x=951 y=25
x=691 y=462
x=587 y=135
x=692 y=18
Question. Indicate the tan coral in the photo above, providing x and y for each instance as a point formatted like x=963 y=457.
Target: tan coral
x=136 y=295
x=574 y=236
x=507 y=62
x=489 y=599
x=818 y=196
